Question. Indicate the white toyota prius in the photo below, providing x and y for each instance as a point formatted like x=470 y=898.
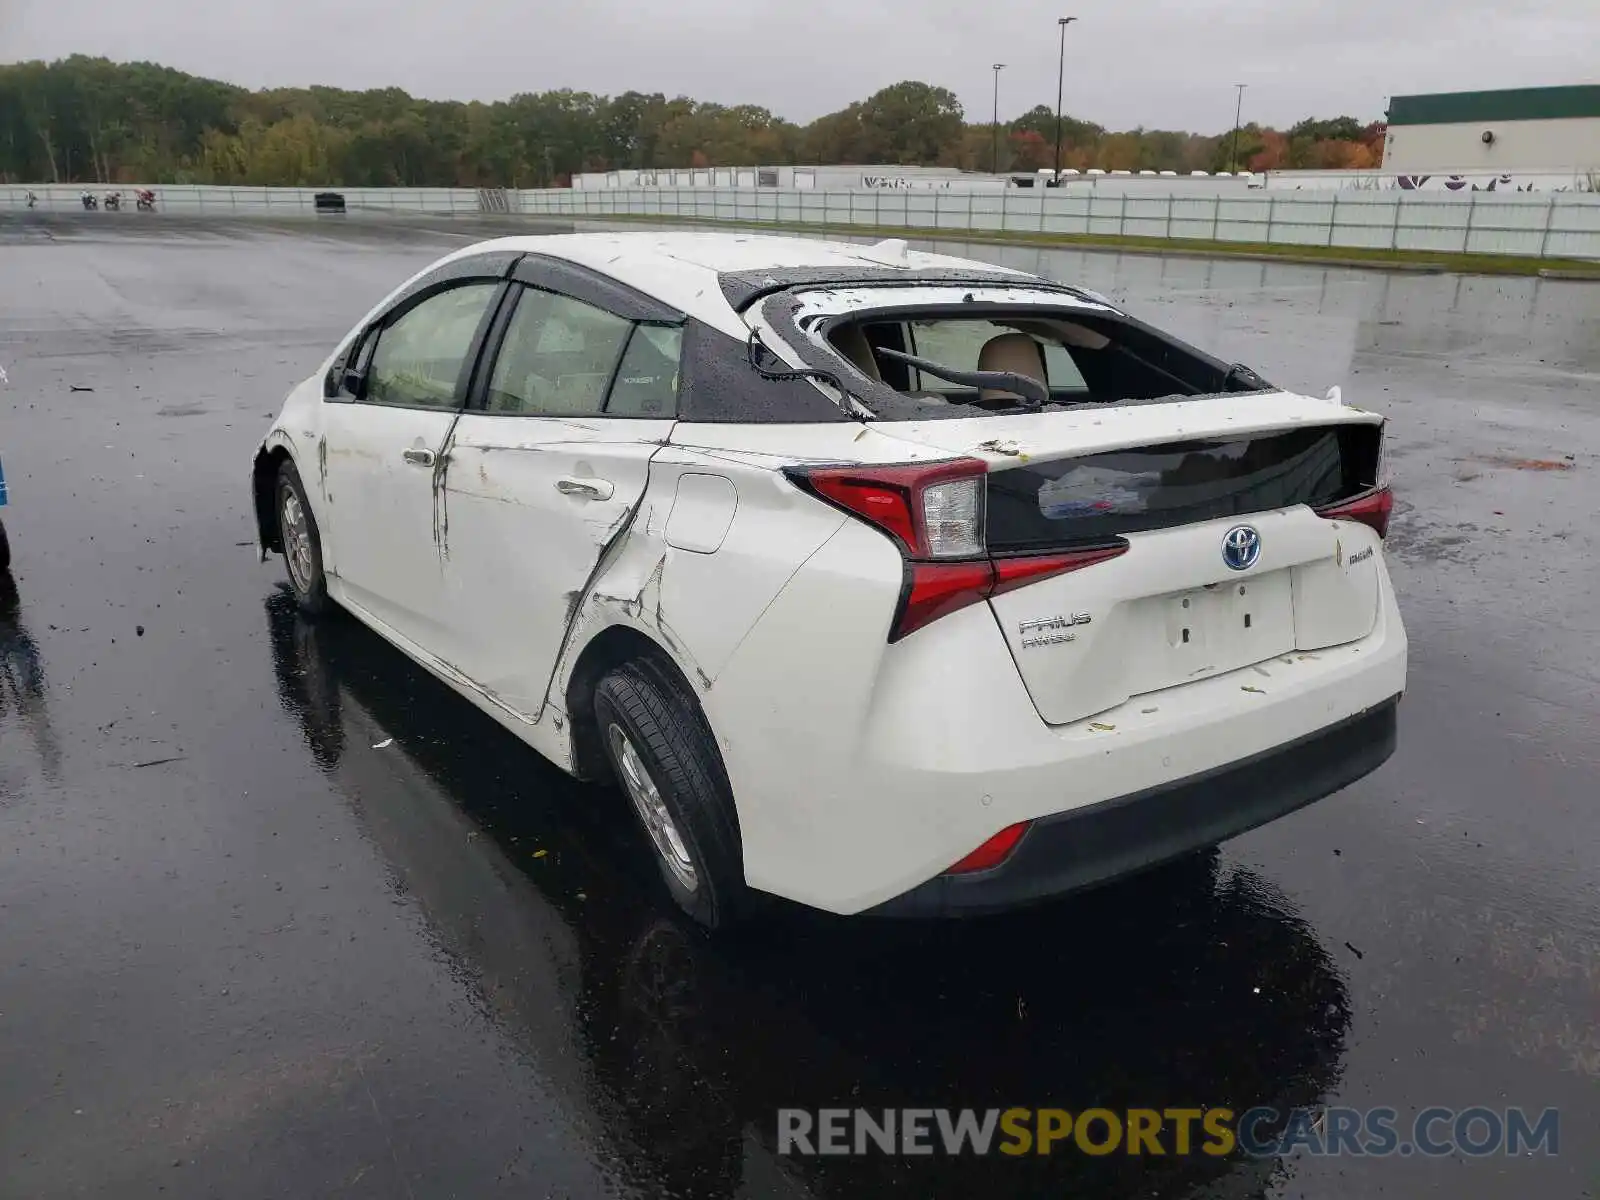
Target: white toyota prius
x=878 y=580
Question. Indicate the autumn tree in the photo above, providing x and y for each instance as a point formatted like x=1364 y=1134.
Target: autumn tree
x=1029 y=151
x=90 y=120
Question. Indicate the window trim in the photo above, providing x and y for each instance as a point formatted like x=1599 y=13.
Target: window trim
x=365 y=344
x=587 y=286
x=478 y=395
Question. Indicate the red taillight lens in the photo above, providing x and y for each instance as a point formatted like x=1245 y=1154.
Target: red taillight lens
x=934 y=512
x=1012 y=573
x=993 y=852
x=1372 y=508
x=938 y=589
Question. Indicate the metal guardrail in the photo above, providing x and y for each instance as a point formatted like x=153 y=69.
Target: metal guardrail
x=1549 y=225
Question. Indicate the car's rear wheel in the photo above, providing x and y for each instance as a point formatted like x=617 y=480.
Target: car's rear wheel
x=666 y=762
x=302 y=544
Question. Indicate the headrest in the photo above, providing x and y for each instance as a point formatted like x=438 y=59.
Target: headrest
x=1014 y=352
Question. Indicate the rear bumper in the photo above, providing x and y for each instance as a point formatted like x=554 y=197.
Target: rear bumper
x=876 y=766
x=1101 y=842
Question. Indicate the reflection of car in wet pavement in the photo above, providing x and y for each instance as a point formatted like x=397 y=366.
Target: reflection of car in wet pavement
x=22 y=682
x=773 y=532
x=5 y=542
x=1208 y=990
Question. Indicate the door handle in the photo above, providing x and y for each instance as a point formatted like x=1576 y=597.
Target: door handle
x=418 y=458
x=590 y=489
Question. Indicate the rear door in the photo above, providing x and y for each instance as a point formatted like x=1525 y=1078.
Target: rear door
x=1226 y=564
x=546 y=467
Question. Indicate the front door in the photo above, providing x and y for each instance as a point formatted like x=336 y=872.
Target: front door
x=548 y=464
x=381 y=459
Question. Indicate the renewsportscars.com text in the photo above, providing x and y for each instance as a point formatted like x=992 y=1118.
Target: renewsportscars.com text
x=1215 y=1132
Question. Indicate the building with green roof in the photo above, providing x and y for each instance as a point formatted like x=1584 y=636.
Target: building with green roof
x=1546 y=129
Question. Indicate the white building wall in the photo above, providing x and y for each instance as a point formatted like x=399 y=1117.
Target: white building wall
x=1571 y=145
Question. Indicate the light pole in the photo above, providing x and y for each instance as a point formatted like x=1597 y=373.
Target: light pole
x=1061 y=84
x=1237 y=115
x=998 y=67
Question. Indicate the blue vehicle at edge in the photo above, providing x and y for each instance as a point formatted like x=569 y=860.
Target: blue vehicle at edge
x=5 y=546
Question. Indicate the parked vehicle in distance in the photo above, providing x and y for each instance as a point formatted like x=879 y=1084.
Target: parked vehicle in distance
x=881 y=581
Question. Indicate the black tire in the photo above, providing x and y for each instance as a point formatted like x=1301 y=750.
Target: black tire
x=5 y=549
x=306 y=580
x=662 y=721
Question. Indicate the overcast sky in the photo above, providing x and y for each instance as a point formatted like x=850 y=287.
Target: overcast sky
x=1158 y=63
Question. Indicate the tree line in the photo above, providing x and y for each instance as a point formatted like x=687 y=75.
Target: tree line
x=90 y=120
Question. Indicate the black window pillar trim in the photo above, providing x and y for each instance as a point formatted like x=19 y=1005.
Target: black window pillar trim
x=486 y=346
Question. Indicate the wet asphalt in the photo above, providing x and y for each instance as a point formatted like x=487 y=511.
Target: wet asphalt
x=280 y=916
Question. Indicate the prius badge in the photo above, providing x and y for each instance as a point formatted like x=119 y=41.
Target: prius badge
x=1241 y=548
x=1051 y=631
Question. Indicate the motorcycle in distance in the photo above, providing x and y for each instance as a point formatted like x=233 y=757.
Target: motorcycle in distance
x=144 y=200
x=113 y=201
x=89 y=202
x=33 y=201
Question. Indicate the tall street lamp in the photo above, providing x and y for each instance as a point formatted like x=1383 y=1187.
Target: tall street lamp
x=998 y=67
x=1061 y=83
x=1237 y=115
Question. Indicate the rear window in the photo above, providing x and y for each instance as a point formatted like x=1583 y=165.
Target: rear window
x=1103 y=496
x=1081 y=358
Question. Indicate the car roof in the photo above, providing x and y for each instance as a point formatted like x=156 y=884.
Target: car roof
x=684 y=269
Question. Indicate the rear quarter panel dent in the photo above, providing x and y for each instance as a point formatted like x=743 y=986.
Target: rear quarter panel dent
x=698 y=607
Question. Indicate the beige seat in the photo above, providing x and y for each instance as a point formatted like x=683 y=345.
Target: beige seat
x=1014 y=352
x=852 y=345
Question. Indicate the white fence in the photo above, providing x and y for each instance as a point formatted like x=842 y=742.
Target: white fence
x=1562 y=225
x=193 y=199
x=1559 y=225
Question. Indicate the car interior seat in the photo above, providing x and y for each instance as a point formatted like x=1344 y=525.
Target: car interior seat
x=852 y=344
x=1014 y=352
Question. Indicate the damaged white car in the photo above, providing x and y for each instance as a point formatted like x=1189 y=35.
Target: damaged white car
x=881 y=581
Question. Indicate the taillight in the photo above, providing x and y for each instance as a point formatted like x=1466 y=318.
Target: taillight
x=993 y=852
x=934 y=513
x=1012 y=573
x=935 y=590
x=1372 y=509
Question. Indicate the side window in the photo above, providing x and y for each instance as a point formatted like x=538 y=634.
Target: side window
x=647 y=379
x=557 y=358
x=953 y=343
x=1063 y=371
x=420 y=358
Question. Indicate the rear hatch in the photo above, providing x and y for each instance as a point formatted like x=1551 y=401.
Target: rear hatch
x=1225 y=560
